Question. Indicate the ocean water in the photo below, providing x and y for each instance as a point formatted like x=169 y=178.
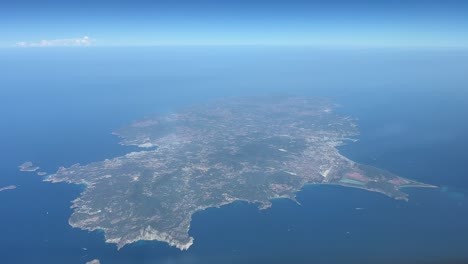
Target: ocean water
x=59 y=106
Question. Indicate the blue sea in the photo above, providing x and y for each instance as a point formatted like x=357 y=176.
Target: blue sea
x=59 y=106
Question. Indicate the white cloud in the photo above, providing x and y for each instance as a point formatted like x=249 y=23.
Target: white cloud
x=94 y=261
x=70 y=42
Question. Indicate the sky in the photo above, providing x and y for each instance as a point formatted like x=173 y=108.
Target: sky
x=350 y=23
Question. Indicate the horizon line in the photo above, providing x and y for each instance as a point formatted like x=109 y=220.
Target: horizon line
x=298 y=45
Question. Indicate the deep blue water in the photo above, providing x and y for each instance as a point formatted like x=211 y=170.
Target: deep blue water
x=59 y=106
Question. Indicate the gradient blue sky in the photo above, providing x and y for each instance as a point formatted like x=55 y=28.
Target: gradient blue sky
x=362 y=23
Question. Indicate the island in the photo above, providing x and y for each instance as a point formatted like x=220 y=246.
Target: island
x=94 y=261
x=10 y=187
x=28 y=166
x=251 y=149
